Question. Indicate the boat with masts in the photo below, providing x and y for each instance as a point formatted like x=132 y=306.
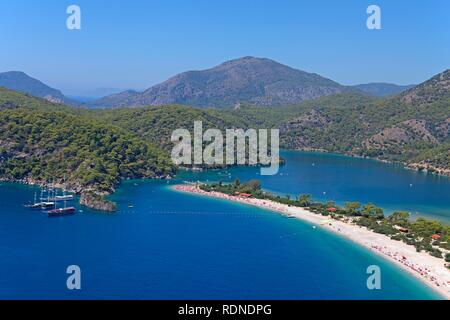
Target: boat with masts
x=58 y=212
x=40 y=205
x=51 y=200
x=63 y=197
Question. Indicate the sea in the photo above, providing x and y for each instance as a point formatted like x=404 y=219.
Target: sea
x=164 y=244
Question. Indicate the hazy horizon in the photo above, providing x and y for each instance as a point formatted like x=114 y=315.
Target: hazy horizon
x=94 y=92
x=135 y=46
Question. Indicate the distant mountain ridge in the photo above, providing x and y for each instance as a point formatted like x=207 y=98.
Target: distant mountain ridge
x=412 y=128
x=381 y=89
x=21 y=82
x=125 y=98
x=257 y=81
x=95 y=94
x=248 y=80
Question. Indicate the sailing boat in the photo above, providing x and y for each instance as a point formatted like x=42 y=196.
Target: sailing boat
x=40 y=205
x=33 y=205
x=64 y=197
x=57 y=212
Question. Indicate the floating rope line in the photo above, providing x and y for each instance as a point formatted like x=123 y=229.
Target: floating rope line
x=204 y=213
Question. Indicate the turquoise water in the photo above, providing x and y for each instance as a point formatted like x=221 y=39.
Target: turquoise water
x=341 y=178
x=172 y=245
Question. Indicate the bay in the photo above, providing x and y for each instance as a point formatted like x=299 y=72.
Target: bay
x=163 y=244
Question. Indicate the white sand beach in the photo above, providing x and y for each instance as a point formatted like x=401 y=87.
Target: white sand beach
x=430 y=270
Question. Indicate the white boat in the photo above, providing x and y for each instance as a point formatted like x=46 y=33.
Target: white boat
x=65 y=197
x=40 y=205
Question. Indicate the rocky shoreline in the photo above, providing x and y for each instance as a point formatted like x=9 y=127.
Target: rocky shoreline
x=426 y=168
x=89 y=198
x=97 y=202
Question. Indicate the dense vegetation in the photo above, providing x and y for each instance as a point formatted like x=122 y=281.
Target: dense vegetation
x=10 y=99
x=425 y=235
x=47 y=143
x=413 y=128
x=95 y=149
x=416 y=133
x=156 y=124
x=349 y=123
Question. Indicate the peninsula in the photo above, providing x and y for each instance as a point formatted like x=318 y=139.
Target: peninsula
x=389 y=240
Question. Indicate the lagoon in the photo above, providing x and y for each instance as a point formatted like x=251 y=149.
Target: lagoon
x=331 y=177
x=179 y=246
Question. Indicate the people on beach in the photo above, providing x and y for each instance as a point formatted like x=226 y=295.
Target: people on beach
x=423 y=272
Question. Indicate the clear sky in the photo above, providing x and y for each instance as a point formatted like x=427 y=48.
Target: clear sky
x=137 y=43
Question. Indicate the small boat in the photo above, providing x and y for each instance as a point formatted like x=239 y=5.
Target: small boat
x=61 y=212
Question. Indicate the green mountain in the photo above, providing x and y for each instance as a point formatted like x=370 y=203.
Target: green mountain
x=413 y=128
x=44 y=142
x=156 y=124
x=41 y=142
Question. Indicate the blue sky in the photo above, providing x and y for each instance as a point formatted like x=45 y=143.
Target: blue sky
x=137 y=43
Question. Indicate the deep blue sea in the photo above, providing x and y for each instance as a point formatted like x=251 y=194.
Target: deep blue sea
x=172 y=245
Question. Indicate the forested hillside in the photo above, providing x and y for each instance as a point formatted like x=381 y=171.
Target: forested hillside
x=156 y=124
x=42 y=142
x=413 y=128
x=95 y=149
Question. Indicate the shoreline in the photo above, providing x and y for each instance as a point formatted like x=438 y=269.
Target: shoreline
x=430 y=270
x=89 y=197
x=418 y=167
